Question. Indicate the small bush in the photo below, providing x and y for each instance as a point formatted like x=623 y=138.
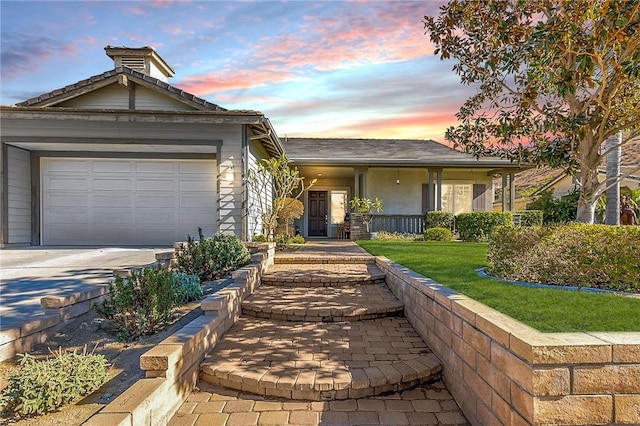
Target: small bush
x=186 y=288
x=397 y=236
x=556 y=211
x=598 y=256
x=282 y=241
x=211 y=258
x=438 y=234
x=38 y=387
x=140 y=304
x=259 y=239
x=531 y=217
x=298 y=239
x=477 y=226
x=439 y=219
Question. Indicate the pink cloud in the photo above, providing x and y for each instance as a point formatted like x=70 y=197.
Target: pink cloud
x=162 y=3
x=172 y=29
x=224 y=80
x=136 y=10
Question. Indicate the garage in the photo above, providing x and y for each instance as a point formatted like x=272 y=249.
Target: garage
x=105 y=201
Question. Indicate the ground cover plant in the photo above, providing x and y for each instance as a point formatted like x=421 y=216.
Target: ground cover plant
x=41 y=386
x=549 y=310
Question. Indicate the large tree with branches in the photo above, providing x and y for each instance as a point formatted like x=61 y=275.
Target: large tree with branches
x=555 y=79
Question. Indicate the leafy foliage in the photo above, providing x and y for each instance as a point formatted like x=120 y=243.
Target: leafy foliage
x=274 y=182
x=555 y=80
x=477 y=226
x=259 y=239
x=141 y=303
x=562 y=210
x=438 y=234
x=398 y=236
x=186 y=288
x=598 y=256
x=211 y=258
x=367 y=208
x=38 y=387
x=291 y=209
x=440 y=219
x=531 y=217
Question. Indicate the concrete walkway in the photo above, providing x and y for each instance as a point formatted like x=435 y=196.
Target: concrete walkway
x=352 y=360
x=29 y=273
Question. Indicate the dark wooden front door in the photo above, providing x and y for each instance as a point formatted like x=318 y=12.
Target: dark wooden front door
x=317 y=213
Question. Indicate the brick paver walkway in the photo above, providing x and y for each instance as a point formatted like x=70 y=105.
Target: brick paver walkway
x=296 y=361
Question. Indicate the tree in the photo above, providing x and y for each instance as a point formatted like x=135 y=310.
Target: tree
x=555 y=79
x=367 y=208
x=273 y=184
x=291 y=209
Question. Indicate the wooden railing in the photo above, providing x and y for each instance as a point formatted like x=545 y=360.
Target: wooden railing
x=412 y=224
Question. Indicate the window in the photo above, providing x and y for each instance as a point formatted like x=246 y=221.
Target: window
x=338 y=206
x=457 y=198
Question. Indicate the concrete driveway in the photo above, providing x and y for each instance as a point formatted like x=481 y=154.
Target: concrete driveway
x=29 y=273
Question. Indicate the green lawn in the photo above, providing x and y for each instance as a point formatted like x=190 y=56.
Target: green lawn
x=548 y=310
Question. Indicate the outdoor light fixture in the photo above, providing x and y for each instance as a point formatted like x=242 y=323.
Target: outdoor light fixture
x=398 y=177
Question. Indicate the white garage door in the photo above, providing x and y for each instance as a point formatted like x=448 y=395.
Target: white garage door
x=126 y=202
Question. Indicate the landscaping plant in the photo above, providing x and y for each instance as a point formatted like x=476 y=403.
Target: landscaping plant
x=38 y=387
x=141 y=303
x=186 y=288
x=440 y=219
x=367 y=208
x=211 y=258
x=438 y=234
x=477 y=226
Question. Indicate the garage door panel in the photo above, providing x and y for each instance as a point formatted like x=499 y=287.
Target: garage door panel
x=64 y=217
x=112 y=217
x=110 y=167
x=123 y=200
x=62 y=200
x=156 y=201
x=105 y=184
x=126 y=202
x=155 y=167
x=70 y=184
x=205 y=201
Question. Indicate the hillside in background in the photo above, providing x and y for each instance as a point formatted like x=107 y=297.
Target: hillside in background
x=530 y=180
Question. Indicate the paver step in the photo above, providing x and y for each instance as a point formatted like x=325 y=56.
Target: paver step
x=320 y=361
x=293 y=259
x=326 y=304
x=323 y=275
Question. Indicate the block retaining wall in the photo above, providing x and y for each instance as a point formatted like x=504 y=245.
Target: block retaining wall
x=172 y=367
x=502 y=372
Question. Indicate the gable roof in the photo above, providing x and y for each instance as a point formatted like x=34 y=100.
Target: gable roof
x=118 y=75
x=384 y=152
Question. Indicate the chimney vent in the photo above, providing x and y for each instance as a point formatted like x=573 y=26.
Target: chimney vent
x=143 y=59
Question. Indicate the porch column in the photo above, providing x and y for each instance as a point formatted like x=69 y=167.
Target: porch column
x=504 y=191
x=512 y=191
x=356 y=183
x=360 y=183
x=431 y=193
x=439 y=189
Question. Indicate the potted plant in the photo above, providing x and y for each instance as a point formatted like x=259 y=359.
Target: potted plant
x=367 y=209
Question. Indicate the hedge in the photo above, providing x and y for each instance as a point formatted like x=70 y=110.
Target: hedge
x=477 y=226
x=581 y=255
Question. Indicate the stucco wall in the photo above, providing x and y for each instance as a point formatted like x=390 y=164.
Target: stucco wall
x=503 y=372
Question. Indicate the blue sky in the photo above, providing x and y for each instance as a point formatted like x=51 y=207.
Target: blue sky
x=323 y=68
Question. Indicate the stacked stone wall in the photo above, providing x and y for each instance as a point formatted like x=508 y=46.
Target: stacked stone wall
x=502 y=372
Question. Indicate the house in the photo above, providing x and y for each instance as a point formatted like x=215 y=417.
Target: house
x=125 y=158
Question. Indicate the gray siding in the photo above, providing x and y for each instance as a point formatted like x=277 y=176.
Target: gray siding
x=147 y=99
x=110 y=97
x=254 y=214
x=18 y=196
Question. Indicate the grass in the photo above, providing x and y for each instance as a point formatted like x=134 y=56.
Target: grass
x=547 y=310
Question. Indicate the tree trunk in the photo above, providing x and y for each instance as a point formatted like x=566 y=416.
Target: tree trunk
x=587 y=202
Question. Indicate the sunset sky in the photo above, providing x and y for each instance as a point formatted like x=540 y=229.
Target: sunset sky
x=323 y=68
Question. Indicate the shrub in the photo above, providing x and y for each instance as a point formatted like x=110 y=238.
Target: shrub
x=186 y=288
x=438 y=234
x=298 y=239
x=140 y=304
x=477 y=226
x=211 y=258
x=438 y=219
x=556 y=211
x=397 y=236
x=38 y=387
x=259 y=239
x=531 y=217
x=598 y=256
x=282 y=241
